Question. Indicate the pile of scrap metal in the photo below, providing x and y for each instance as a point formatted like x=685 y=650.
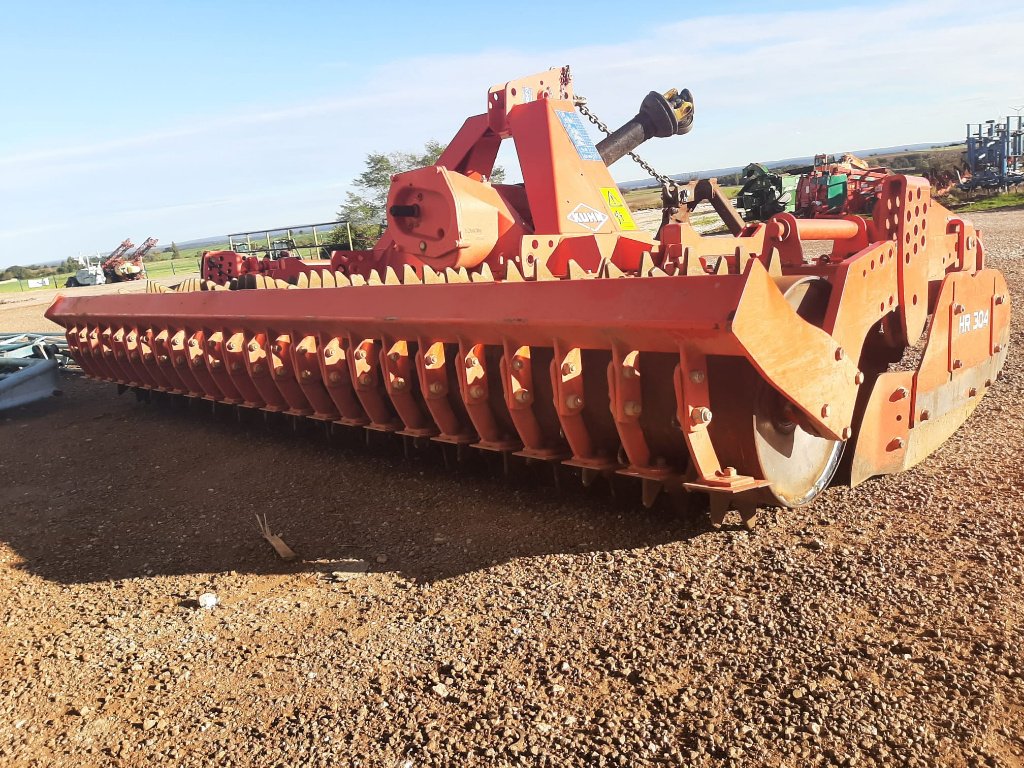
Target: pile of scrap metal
x=28 y=366
x=536 y=321
x=995 y=155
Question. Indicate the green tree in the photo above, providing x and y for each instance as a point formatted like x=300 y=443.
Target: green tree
x=364 y=207
x=174 y=250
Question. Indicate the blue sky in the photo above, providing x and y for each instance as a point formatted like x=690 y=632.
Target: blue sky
x=188 y=119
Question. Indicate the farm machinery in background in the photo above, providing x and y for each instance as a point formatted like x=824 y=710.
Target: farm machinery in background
x=535 y=321
x=838 y=186
x=120 y=265
x=995 y=155
x=278 y=252
x=833 y=186
x=764 y=193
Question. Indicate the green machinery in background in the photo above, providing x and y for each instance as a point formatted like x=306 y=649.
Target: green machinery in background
x=764 y=193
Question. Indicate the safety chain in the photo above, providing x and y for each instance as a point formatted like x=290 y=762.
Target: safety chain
x=581 y=105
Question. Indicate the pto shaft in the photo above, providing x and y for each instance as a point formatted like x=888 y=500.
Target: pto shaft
x=660 y=115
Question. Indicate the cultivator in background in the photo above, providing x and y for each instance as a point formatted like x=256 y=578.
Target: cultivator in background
x=535 y=320
x=995 y=154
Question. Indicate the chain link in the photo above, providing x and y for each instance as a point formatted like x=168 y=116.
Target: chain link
x=581 y=105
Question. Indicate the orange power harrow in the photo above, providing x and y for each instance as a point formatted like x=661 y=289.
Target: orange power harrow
x=536 y=320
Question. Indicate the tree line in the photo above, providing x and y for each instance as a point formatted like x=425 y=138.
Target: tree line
x=35 y=271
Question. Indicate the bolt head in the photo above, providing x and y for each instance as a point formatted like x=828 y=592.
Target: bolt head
x=236 y=367
x=329 y=352
x=697 y=377
x=360 y=354
x=398 y=384
x=306 y=374
x=701 y=415
x=925 y=415
x=430 y=360
x=847 y=433
x=568 y=369
x=476 y=391
x=180 y=359
x=632 y=408
x=436 y=388
x=365 y=379
x=393 y=357
x=727 y=472
x=334 y=377
x=574 y=401
x=840 y=354
x=517 y=364
x=253 y=346
x=524 y=396
x=973 y=392
x=826 y=411
x=472 y=362
x=858 y=378
x=191 y=342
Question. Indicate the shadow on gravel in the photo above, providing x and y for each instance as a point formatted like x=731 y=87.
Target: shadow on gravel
x=97 y=487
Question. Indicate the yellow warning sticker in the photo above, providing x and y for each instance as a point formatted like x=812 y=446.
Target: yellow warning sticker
x=617 y=208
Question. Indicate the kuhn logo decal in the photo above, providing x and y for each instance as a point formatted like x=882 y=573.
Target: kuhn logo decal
x=587 y=217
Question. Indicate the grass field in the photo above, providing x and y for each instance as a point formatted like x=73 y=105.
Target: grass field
x=995 y=202
x=154 y=269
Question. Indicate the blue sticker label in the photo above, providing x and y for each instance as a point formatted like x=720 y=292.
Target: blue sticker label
x=573 y=124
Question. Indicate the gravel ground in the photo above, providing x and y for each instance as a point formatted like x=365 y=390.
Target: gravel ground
x=496 y=624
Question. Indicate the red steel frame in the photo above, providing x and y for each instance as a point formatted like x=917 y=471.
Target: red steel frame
x=600 y=357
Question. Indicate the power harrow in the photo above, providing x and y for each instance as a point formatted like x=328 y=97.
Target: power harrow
x=536 y=320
